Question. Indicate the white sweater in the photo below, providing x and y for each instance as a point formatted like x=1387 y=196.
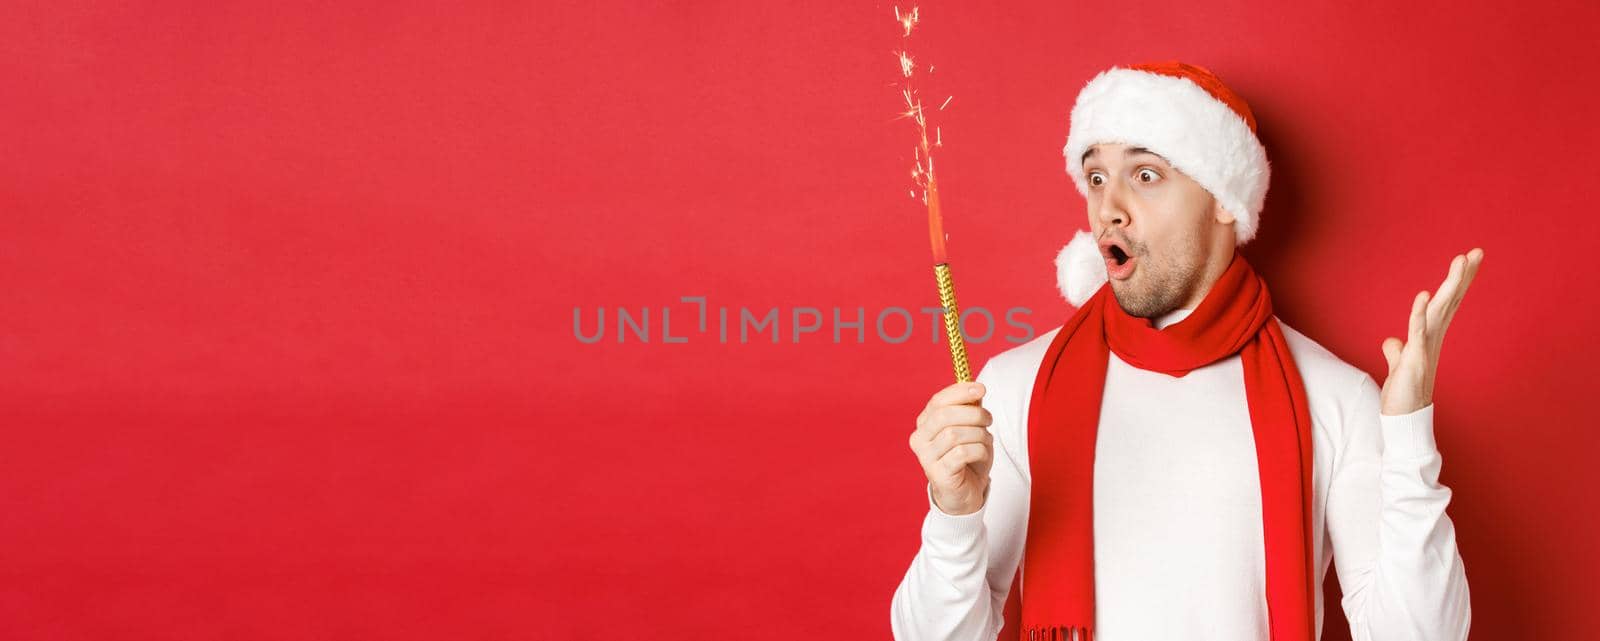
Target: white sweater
x=1177 y=510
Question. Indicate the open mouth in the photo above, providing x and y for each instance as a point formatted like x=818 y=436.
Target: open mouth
x=1118 y=255
x=1119 y=263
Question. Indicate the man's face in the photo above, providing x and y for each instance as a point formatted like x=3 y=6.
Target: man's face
x=1157 y=229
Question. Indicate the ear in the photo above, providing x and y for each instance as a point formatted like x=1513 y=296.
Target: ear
x=1219 y=213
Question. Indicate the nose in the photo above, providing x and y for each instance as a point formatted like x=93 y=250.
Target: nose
x=1113 y=210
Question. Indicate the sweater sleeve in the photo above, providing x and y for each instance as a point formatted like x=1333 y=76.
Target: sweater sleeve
x=957 y=584
x=1393 y=545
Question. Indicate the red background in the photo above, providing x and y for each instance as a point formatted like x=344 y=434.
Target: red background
x=288 y=345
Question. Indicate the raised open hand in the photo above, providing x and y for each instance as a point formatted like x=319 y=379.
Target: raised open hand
x=1414 y=362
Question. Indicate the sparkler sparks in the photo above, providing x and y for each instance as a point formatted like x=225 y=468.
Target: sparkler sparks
x=907 y=21
x=922 y=168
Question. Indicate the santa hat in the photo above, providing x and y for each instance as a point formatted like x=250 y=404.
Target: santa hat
x=1182 y=112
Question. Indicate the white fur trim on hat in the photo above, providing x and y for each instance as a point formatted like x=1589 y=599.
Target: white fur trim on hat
x=1080 y=269
x=1198 y=134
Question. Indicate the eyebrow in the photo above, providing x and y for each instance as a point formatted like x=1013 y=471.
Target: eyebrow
x=1131 y=151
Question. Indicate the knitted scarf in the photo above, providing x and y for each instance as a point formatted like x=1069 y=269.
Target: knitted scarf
x=1057 y=582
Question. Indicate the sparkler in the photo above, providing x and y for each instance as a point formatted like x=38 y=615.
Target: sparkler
x=922 y=173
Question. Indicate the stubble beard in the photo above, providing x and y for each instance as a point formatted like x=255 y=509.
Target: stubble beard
x=1158 y=285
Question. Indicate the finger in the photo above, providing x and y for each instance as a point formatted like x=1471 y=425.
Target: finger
x=1447 y=291
x=1419 y=318
x=942 y=417
x=954 y=394
x=1391 y=351
x=1474 y=261
x=1474 y=258
x=962 y=455
x=939 y=418
x=957 y=394
x=955 y=436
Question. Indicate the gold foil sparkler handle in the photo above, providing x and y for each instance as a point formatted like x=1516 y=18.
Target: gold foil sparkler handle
x=952 y=323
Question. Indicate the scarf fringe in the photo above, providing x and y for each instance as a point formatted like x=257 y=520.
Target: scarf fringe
x=1059 y=633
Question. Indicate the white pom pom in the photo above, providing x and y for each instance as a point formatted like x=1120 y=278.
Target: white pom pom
x=1080 y=269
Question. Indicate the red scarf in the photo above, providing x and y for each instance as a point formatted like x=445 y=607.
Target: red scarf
x=1235 y=317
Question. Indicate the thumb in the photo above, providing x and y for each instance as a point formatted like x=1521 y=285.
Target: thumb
x=1391 y=351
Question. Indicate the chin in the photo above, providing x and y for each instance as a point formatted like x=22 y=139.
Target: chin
x=1127 y=300
x=1136 y=304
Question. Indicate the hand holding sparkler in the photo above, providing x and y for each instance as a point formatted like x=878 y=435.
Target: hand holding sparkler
x=955 y=447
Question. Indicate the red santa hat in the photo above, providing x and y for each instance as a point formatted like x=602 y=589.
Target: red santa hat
x=1187 y=115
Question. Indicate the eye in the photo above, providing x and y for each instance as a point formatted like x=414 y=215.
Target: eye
x=1148 y=172
x=1095 y=180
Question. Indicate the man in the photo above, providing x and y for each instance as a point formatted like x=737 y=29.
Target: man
x=1174 y=462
